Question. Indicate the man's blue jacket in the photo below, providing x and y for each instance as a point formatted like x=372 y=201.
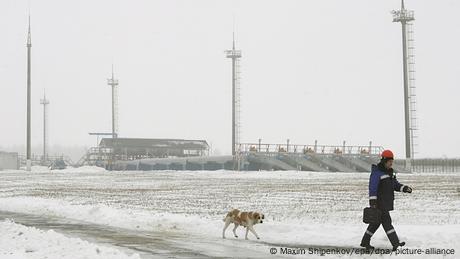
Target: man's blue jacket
x=382 y=184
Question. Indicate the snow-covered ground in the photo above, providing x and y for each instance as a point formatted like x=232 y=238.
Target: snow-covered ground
x=303 y=209
x=18 y=241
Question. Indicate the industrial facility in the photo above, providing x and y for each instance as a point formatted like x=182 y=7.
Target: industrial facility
x=154 y=154
x=111 y=150
x=126 y=153
x=255 y=157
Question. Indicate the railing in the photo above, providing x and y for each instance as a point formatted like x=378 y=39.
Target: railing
x=309 y=149
x=96 y=156
x=45 y=161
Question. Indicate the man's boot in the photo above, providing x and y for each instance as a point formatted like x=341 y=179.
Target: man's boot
x=365 y=242
x=393 y=237
x=395 y=247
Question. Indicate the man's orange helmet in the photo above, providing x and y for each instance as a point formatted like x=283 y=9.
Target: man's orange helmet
x=387 y=154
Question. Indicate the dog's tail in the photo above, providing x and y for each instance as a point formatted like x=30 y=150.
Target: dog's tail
x=229 y=215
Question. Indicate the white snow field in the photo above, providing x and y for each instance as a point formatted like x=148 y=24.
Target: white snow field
x=304 y=210
x=18 y=241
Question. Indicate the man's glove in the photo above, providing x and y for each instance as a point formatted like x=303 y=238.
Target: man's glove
x=407 y=189
x=373 y=203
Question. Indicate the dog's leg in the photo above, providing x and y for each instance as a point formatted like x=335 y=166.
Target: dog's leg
x=253 y=231
x=247 y=230
x=227 y=223
x=234 y=230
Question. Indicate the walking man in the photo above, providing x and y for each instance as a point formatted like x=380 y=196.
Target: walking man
x=382 y=184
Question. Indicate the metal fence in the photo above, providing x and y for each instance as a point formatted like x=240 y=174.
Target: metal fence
x=40 y=160
x=436 y=165
x=433 y=165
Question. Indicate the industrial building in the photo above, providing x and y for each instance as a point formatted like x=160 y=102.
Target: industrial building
x=111 y=150
x=138 y=148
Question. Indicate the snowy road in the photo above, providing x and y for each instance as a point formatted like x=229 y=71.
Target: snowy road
x=179 y=214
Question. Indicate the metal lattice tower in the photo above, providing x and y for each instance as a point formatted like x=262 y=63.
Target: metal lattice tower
x=405 y=17
x=29 y=148
x=45 y=102
x=412 y=89
x=114 y=84
x=235 y=55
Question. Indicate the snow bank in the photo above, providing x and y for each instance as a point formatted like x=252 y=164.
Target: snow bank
x=100 y=214
x=69 y=169
x=18 y=241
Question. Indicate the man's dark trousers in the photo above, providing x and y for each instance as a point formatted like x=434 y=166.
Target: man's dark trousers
x=386 y=223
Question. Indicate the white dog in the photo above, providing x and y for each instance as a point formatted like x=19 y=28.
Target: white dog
x=245 y=219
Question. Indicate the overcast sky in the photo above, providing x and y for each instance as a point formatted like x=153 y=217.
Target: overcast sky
x=329 y=70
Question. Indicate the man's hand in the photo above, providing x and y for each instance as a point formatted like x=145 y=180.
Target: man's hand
x=373 y=203
x=407 y=189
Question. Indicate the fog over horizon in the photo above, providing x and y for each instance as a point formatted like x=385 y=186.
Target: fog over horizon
x=326 y=70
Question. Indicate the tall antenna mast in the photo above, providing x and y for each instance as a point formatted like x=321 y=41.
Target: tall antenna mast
x=235 y=55
x=29 y=48
x=405 y=17
x=45 y=102
x=114 y=84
